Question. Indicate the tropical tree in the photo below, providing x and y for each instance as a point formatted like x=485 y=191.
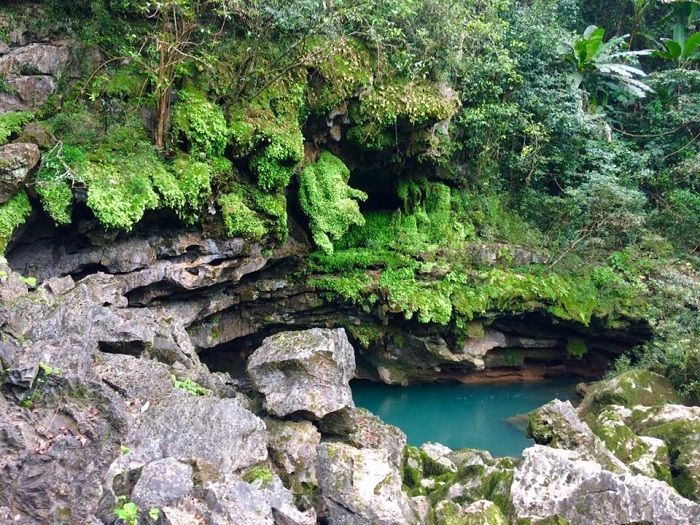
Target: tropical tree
x=683 y=49
x=591 y=57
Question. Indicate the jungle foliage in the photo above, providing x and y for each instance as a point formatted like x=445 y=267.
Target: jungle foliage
x=410 y=135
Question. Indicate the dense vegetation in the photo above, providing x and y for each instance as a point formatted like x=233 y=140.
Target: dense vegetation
x=500 y=122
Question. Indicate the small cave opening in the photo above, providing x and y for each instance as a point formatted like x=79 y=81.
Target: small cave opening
x=380 y=190
x=232 y=356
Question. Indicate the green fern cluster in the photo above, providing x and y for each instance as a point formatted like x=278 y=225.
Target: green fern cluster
x=202 y=122
x=11 y=123
x=328 y=201
x=13 y=213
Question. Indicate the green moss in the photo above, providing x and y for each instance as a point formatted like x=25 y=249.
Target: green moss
x=13 y=213
x=338 y=75
x=120 y=191
x=403 y=293
x=12 y=123
x=353 y=286
x=194 y=181
x=328 y=201
x=366 y=334
x=576 y=347
x=275 y=207
x=275 y=164
x=239 y=219
x=412 y=467
x=59 y=171
x=267 y=130
x=383 y=107
x=258 y=474
x=201 y=122
x=619 y=438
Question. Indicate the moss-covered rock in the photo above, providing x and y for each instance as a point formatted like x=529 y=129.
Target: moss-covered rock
x=328 y=201
x=482 y=512
x=644 y=455
x=679 y=427
x=633 y=388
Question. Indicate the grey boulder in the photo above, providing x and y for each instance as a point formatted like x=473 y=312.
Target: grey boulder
x=307 y=371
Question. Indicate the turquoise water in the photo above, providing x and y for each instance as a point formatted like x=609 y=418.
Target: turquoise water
x=459 y=415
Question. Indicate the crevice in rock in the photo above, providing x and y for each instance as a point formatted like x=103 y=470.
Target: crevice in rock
x=132 y=348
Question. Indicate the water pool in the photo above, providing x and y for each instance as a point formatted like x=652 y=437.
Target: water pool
x=484 y=416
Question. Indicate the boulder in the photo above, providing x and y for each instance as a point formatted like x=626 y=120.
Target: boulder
x=644 y=455
x=185 y=426
x=679 y=428
x=32 y=71
x=557 y=424
x=566 y=483
x=482 y=512
x=162 y=483
x=307 y=371
x=292 y=447
x=361 y=487
x=235 y=501
x=16 y=162
x=633 y=388
x=362 y=429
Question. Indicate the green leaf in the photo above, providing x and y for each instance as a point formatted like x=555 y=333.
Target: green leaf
x=691 y=45
x=674 y=49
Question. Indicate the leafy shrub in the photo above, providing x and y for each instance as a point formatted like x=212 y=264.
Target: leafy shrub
x=12 y=123
x=60 y=169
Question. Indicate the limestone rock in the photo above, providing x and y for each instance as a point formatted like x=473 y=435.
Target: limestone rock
x=362 y=429
x=31 y=70
x=679 y=427
x=16 y=161
x=307 y=371
x=292 y=447
x=11 y=284
x=183 y=426
x=53 y=456
x=162 y=483
x=361 y=487
x=644 y=455
x=235 y=501
x=557 y=424
x=553 y=482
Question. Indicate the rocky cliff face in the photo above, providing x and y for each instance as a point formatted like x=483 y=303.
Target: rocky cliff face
x=103 y=382
x=228 y=295
x=112 y=346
